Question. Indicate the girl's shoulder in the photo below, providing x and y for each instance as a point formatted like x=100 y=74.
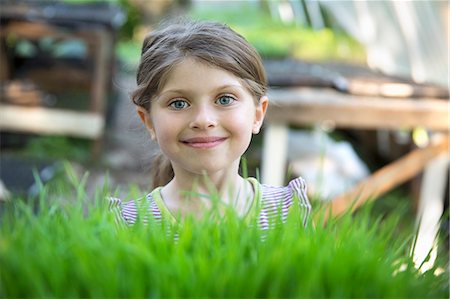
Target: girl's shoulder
x=295 y=185
x=130 y=210
x=276 y=199
x=296 y=188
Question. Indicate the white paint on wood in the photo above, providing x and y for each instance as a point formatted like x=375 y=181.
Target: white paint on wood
x=51 y=121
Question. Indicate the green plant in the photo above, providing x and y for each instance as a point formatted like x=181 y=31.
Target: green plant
x=67 y=244
x=129 y=52
x=274 y=39
x=58 y=147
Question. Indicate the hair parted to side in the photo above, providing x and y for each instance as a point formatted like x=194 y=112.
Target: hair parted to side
x=210 y=42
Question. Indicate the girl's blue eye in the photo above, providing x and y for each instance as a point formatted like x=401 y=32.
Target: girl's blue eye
x=179 y=104
x=225 y=100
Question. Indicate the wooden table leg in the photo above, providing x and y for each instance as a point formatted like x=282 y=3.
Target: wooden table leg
x=274 y=154
x=431 y=207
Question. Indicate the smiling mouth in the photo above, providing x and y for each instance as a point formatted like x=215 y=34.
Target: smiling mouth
x=203 y=142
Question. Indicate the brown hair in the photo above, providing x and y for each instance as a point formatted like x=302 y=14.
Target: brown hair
x=210 y=42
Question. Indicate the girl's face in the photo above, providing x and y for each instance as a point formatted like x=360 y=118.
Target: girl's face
x=203 y=118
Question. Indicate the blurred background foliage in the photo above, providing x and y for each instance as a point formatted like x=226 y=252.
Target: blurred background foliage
x=269 y=34
x=274 y=38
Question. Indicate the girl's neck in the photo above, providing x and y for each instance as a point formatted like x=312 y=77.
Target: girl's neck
x=194 y=194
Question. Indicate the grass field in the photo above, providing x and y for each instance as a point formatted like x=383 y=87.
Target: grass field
x=66 y=244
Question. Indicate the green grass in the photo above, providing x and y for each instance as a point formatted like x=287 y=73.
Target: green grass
x=66 y=244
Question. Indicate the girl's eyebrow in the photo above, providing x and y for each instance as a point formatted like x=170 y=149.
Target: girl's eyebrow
x=227 y=86
x=217 y=89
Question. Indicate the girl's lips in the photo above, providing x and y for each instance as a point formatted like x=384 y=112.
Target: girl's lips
x=203 y=142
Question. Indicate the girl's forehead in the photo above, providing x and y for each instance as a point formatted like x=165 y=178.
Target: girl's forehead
x=191 y=72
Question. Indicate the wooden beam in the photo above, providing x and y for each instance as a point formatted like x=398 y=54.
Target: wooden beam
x=33 y=30
x=306 y=106
x=51 y=121
x=389 y=177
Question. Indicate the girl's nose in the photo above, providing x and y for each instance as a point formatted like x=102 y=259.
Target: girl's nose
x=203 y=118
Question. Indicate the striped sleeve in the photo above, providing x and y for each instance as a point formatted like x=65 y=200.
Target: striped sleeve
x=115 y=207
x=276 y=202
x=130 y=212
x=299 y=191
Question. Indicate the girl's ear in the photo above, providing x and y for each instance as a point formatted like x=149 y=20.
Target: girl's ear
x=144 y=115
x=260 y=112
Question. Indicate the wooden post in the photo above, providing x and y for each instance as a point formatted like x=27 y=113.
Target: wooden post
x=274 y=154
x=102 y=57
x=4 y=65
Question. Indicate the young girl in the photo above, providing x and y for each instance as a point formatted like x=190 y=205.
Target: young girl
x=201 y=95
